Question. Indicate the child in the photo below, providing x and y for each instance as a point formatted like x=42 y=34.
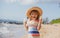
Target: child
x=33 y=23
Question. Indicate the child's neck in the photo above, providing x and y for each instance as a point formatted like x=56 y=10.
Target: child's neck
x=34 y=19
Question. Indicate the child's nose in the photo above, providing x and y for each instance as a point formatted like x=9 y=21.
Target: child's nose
x=33 y=15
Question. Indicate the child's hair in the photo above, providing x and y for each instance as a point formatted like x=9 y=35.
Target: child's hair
x=35 y=12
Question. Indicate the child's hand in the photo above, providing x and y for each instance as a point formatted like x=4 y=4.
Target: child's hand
x=39 y=24
x=40 y=17
x=38 y=28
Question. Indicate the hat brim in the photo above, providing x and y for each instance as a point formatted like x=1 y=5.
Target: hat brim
x=34 y=8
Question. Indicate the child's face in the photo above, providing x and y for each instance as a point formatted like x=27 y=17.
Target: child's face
x=34 y=15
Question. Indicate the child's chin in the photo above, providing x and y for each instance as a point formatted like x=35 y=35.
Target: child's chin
x=34 y=19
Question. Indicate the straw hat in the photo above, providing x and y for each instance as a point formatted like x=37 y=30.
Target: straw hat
x=34 y=8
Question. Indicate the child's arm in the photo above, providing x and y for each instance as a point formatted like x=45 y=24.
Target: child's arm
x=39 y=24
x=25 y=25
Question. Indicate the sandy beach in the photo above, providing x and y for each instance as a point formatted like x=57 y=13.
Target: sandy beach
x=49 y=31
x=18 y=31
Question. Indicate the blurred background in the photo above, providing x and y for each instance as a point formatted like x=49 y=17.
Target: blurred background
x=13 y=12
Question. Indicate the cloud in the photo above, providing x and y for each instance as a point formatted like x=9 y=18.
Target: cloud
x=28 y=2
x=10 y=1
x=23 y=2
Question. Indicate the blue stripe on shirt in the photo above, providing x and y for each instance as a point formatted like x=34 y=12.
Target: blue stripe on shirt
x=33 y=32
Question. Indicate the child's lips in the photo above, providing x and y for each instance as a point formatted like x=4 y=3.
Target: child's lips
x=34 y=17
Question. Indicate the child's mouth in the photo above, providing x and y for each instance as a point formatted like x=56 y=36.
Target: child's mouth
x=34 y=17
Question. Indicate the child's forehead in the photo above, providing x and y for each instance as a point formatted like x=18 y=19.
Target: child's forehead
x=34 y=13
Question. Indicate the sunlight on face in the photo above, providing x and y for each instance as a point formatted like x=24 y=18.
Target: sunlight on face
x=34 y=15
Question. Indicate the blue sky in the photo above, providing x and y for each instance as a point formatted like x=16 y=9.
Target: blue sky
x=16 y=10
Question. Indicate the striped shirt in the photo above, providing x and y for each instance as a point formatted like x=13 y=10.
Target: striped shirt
x=32 y=27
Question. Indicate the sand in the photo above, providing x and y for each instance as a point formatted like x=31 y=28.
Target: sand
x=49 y=31
x=18 y=31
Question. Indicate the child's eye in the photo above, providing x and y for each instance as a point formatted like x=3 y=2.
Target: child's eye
x=32 y=14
